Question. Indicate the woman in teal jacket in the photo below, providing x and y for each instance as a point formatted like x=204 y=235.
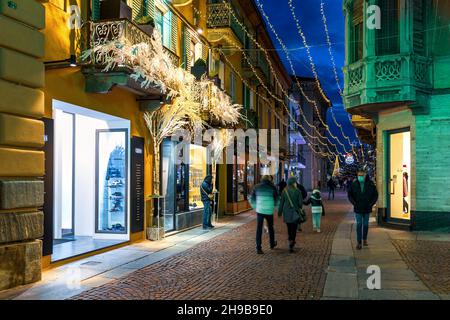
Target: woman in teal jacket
x=291 y=203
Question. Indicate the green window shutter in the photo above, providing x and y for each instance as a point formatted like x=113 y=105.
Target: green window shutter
x=174 y=33
x=419 y=27
x=186 y=48
x=205 y=50
x=137 y=7
x=95 y=10
x=149 y=8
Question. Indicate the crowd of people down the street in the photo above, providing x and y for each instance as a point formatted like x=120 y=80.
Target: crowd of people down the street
x=289 y=198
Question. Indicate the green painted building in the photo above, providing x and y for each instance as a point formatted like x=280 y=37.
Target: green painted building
x=397 y=87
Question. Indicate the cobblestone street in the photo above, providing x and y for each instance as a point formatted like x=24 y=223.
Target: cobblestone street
x=227 y=267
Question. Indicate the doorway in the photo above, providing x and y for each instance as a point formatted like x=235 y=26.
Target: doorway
x=399 y=175
x=91 y=180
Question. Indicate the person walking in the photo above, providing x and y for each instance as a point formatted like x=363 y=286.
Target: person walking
x=331 y=186
x=304 y=196
x=317 y=209
x=291 y=203
x=363 y=195
x=263 y=200
x=207 y=196
x=281 y=185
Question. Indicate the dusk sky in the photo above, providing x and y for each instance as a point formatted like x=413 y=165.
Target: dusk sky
x=308 y=13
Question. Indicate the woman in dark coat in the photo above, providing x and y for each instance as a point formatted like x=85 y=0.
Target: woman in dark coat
x=291 y=203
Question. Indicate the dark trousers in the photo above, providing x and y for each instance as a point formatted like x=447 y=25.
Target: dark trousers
x=259 y=229
x=330 y=192
x=206 y=214
x=292 y=231
x=362 y=226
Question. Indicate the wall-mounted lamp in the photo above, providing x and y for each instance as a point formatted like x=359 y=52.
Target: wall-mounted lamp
x=199 y=30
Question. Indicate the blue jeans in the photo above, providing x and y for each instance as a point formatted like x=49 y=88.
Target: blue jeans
x=316 y=217
x=206 y=214
x=362 y=226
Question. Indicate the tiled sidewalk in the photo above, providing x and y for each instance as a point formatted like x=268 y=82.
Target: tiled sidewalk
x=347 y=272
x=76 y=277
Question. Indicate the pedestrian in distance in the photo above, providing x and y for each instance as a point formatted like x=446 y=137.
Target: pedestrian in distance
x=281 y=185
x=290 y=207
x=363 y=195
x=207 y=196
x=331 y=186
x=317 y=209
x=263 y=200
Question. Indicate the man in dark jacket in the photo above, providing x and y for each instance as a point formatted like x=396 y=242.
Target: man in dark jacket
x=264 y=199
x=363 y=195
x=206 y=190
x=331 y=186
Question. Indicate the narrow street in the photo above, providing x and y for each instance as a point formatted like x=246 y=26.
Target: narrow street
x=227 y=267
x=223 y=264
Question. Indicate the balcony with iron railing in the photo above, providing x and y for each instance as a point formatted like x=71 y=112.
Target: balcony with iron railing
x=255 y=66
x=223 y=29
x=388 y=80
x=94 y=34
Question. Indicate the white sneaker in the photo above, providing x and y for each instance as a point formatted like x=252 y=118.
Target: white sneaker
x=318 y=230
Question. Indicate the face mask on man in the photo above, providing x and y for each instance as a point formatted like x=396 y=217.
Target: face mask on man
x=361 y=178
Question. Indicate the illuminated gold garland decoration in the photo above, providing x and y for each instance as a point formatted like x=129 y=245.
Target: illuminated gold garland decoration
x=250 y=36
x=269 y=91
x=293 y=69
x=284 y=92
x=336 y=77
x=321 y=153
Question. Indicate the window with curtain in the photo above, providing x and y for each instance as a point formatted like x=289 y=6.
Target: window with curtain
x=387 y=38
x=356 y=32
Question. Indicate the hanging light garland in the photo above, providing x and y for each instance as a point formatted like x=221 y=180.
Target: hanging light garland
x=336 y=77
x=310 y=145
x=293 y=71
x=283 y=91
x=249 y=62
x=250 y=36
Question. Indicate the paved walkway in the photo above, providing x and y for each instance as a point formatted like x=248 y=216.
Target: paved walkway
x=74 y=278
x=227 y=267
x=223 y=264
x=348 y=268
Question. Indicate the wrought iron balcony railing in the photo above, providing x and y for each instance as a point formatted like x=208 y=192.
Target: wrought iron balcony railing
x=382 y=79
x=219 y=15
x=102 y=32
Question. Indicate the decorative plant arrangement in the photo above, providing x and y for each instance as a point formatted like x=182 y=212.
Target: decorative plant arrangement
x=152 y=66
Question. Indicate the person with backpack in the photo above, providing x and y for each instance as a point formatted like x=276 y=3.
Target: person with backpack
x=263 y=200
x=290 y=207
x=317 y=209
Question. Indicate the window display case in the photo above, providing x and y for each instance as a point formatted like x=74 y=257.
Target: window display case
x=111 y=180
x=197 y=172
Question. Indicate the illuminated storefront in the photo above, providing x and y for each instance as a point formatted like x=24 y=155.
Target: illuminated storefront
x=181 y=185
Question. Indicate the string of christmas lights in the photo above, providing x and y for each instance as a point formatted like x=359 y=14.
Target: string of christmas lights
x=293 y=71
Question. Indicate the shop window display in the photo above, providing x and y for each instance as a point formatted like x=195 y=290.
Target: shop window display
x=197 y=172
x=111 y=181
x=250 y=177
x=241 y=185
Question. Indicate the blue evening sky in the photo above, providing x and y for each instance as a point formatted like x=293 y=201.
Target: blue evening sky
x=308 y=13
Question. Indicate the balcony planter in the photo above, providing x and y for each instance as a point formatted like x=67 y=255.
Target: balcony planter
x=199 y=69
x=114 y=9
x=146 y=24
